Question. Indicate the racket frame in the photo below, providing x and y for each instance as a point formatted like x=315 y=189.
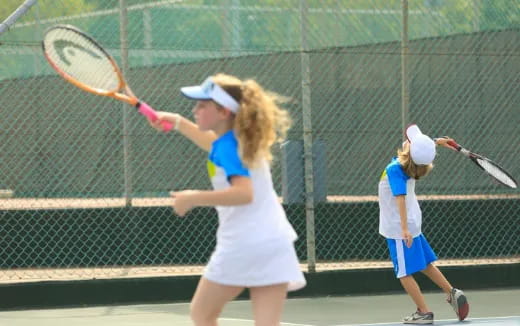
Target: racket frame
x=474 y=157
x=117 y=94
x=123 y=86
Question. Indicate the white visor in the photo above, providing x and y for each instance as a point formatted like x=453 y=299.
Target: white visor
x=422 y=147
x=209 y=90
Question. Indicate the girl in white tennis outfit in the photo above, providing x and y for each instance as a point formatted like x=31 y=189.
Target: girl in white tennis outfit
x=237 y=122
x=400 y=221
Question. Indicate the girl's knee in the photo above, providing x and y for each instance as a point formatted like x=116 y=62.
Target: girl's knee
x=203 y=316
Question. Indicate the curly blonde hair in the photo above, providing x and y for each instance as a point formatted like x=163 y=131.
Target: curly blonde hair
x=410 y=168
x=259 y=122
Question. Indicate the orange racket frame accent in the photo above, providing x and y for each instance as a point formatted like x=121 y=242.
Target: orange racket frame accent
x=131 y=99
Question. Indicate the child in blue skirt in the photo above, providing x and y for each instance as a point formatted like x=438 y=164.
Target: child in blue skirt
x=400 y=220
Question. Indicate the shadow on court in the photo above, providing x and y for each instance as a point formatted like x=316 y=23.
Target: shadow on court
x=490 y=307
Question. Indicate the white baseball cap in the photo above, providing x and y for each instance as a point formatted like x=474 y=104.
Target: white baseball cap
x=422 y=147
x=209 y=90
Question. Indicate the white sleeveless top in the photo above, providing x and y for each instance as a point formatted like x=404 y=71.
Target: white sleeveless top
x=261 y=220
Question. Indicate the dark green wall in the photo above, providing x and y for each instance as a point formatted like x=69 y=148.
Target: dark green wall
x=154 y=236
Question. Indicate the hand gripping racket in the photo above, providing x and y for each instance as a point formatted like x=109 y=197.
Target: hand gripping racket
x=490 y=167
x=79 y=59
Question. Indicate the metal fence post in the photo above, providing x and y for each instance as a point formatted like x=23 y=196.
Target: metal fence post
x=123 y=36
x=405 y=92
x=307 y=138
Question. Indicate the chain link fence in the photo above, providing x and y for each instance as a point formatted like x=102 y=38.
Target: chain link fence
x=84 y=186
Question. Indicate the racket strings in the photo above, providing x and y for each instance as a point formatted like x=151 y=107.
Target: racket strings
x=497 y=172
x=81 y=58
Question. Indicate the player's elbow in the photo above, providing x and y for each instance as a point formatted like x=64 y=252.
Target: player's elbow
x=247 y=197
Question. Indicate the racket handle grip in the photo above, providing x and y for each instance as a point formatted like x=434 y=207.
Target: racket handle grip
x=451 y=143
x=150 y=114
x=454 y=145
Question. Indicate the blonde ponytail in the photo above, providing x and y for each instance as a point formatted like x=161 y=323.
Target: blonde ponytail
x=259 y=122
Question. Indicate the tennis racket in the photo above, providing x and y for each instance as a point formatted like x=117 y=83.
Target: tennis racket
x=84 y=63
x=490 y=167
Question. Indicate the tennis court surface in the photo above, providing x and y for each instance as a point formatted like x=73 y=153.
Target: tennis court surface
x=499 y=307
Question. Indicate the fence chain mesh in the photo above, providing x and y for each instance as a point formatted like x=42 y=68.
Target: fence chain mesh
x=84 y=181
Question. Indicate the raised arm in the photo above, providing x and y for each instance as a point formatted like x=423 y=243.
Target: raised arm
x=190 y=130
x=443 y=141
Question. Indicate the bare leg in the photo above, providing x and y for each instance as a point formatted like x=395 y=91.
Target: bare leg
x=268 y=304
x=412 y=288
x=209 y=300
x=437 y=277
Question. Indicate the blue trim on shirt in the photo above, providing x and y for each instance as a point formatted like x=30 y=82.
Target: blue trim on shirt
x=224 y=154
x=397 y=178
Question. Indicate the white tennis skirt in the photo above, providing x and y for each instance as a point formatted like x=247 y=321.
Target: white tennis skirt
x=269 y=263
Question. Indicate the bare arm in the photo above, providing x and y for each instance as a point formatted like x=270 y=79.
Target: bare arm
x=239 y=193
x=443 y=141
x=401 y=205
x=190 y=130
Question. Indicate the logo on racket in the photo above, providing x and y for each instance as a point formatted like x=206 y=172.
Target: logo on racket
x=64 y=48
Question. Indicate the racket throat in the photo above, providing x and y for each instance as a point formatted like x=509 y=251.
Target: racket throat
x=465 y=151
